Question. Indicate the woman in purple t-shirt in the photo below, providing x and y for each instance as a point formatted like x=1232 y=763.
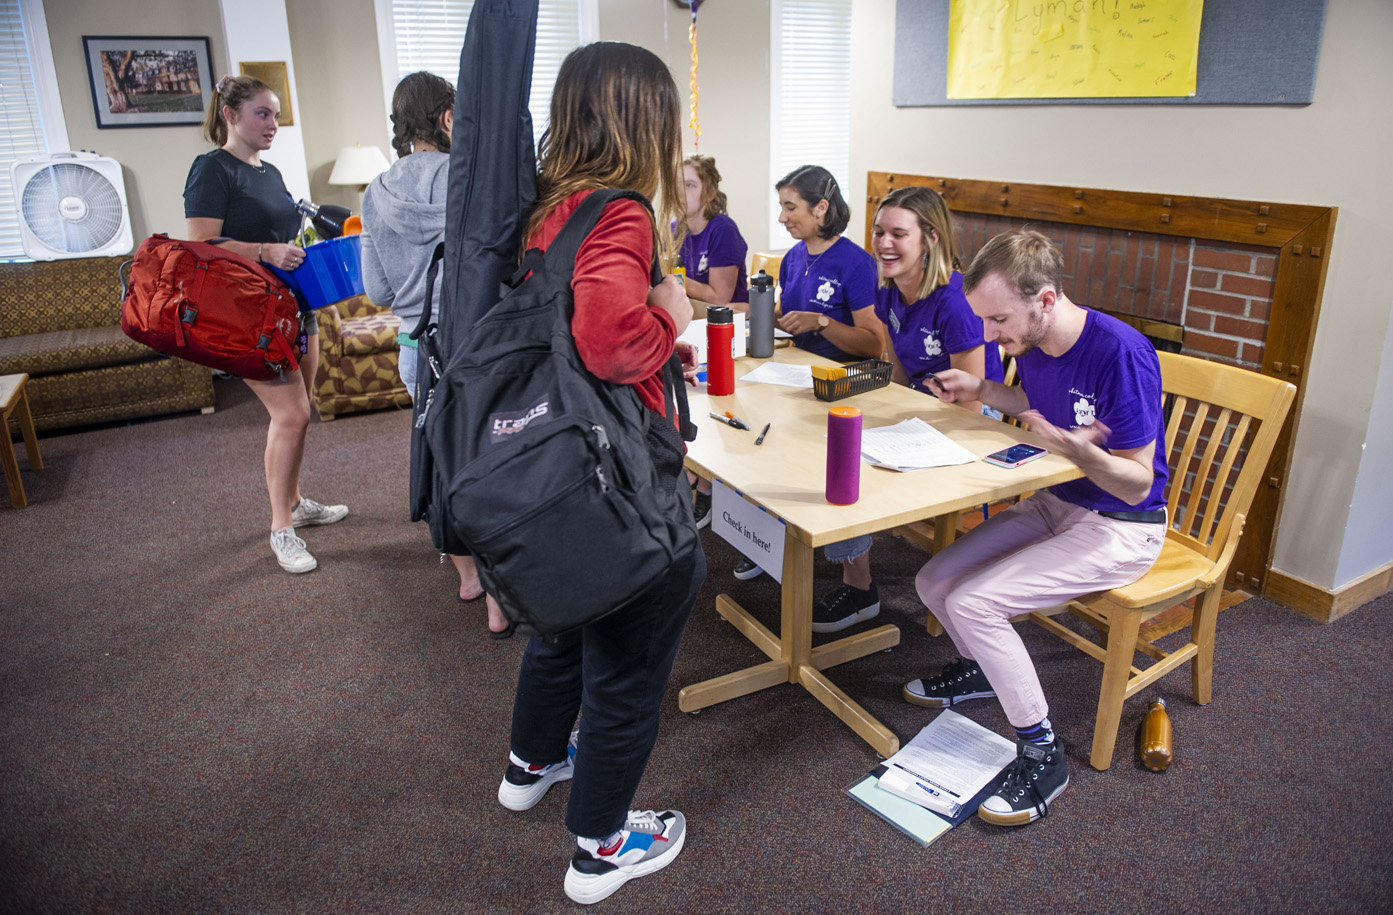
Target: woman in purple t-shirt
x=713 y=251
x=931 y=326
x=826 y=282
x=920 y=300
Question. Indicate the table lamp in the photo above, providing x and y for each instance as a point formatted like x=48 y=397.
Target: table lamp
x=358 y=165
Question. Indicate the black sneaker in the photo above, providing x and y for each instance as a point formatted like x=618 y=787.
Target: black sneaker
x=746 y=569
x=701 y=507
x=1029 y=786
x=845 y=606
x=960 y=681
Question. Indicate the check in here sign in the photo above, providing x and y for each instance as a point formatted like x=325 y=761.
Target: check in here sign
x=749 y=528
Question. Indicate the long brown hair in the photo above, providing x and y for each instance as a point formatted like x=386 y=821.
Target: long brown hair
x=615 y=123
x=231 y=91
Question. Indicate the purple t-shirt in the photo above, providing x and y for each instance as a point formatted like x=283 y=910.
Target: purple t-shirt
x=717 y=245
x=1111 y=374
x=837 y=282
x=927 y=333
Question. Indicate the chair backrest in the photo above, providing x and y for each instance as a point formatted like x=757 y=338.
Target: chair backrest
x=768 y=262
x=1223 y=424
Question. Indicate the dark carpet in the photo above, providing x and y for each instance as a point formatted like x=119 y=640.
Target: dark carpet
x=185 y=728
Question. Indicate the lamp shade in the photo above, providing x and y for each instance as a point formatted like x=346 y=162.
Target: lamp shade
x=358 y=165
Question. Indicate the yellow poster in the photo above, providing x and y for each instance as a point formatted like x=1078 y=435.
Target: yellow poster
x=1072 y=48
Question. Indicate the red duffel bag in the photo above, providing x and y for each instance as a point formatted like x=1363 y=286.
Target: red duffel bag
x=202 y=303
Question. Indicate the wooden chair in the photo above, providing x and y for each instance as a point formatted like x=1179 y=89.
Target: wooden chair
x=1214 y=411
x=768 y=262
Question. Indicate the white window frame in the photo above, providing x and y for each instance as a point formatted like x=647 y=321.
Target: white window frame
x=589 y=17
x=785 y=155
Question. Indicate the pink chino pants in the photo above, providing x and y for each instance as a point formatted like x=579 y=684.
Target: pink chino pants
x=1040 y=553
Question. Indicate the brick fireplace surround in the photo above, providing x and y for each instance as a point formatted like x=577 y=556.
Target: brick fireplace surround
x=1237 y=281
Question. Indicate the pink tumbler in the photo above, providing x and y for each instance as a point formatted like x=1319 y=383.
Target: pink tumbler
x=843 y=455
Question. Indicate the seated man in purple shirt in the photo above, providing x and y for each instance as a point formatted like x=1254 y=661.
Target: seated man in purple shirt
x=1091 y=390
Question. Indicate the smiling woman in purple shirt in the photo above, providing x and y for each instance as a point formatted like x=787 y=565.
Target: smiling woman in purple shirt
x=827 y=283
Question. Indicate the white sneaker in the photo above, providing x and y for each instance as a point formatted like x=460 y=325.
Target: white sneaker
x=290 y=551
x=308 y=513
x=648 y=842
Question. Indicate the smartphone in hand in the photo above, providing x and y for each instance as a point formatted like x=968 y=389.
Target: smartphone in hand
x=1015 y=456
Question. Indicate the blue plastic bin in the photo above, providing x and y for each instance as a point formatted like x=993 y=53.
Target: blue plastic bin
x=332 y=271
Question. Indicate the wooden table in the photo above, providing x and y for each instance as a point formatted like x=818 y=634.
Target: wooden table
x=14 y=399
x=786 y=475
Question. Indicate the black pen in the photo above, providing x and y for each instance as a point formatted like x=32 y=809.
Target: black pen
x=760 y=440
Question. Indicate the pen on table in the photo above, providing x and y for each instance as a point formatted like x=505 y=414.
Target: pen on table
x=762 y=434
x=729 y=421
x=736 y=421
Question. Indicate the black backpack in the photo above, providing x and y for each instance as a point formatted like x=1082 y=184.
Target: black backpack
x=563 y=486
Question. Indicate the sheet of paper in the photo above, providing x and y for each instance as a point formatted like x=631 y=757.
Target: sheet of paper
x=911 y=445
x=954 y=755
x=794 y=376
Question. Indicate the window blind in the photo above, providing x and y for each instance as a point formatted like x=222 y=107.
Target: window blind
x=21 y=130
x=811 y=94
x=430 y=33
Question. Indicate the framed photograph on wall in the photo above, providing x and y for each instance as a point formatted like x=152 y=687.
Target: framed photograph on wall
x=274 y=74
x=148 y=81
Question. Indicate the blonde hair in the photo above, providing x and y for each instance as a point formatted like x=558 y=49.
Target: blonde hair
x=231 y=91
x=705 y=168
x=615 y=123
x=931 y=212
x=1025 y=259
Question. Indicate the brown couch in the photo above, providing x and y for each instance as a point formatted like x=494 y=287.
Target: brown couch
x=60 y=322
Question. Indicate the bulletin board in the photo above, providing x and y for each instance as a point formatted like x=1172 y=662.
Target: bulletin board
x=1251 y=52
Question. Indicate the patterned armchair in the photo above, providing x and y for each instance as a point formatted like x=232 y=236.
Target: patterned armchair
x=357 y=359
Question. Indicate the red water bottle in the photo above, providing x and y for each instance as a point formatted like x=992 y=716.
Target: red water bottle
x=720 y=366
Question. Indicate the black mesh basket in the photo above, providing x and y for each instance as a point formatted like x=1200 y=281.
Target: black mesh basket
x=863 y=376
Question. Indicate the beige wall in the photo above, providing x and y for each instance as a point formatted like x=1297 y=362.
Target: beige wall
x=1332 y=152
x=155 y=160
x=340 y=87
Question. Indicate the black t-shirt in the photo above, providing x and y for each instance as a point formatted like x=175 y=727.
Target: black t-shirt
x=251 y=201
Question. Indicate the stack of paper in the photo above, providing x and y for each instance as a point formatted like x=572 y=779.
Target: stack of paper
x=946 y=764
x=911 y=445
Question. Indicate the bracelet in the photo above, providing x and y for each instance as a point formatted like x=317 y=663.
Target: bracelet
x=259 y=246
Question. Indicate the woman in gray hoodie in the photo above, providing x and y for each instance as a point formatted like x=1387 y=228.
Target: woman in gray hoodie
x=403 y=221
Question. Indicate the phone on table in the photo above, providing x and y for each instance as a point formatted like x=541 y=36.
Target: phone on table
x=1015 y=456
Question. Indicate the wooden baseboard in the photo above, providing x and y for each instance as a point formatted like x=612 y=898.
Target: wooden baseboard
x=1324 y=605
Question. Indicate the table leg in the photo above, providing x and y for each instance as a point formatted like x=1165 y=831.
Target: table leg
x=26 y=429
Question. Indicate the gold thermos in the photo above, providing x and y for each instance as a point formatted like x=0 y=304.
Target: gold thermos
x=1156 y=752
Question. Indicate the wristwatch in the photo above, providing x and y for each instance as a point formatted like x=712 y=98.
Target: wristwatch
x=822 y=322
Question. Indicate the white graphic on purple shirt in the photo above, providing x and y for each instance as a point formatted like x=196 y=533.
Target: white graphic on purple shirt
x=824 y=292
x=931 y=345
x=1084 y=412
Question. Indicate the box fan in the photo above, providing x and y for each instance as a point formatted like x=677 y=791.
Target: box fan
x=71 y=204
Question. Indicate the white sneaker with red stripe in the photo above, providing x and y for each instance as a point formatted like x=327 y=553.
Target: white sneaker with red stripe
x=524 y=784
x=648 y=842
